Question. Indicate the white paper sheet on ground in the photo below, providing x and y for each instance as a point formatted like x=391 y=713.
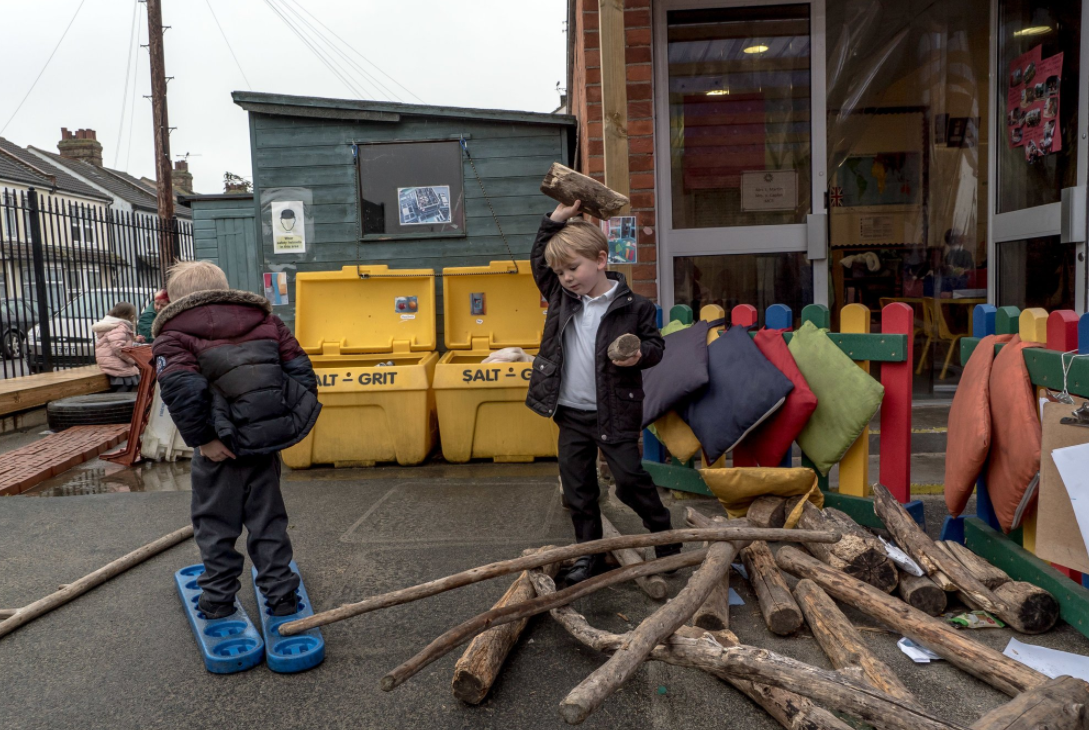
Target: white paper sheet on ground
x=918 y=654
x=1071 y=463
x=901 y=558
x=1052 y=662
x=736 y=600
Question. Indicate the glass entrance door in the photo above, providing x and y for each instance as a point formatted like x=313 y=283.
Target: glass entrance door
x=740 y=140
x=1039 y=151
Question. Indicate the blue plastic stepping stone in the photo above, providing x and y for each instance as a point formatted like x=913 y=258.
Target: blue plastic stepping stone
x=296 y=653
x=231 y=644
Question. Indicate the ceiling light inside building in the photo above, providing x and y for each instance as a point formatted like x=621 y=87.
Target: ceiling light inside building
x=1033 y=30
x=718 y=92
x=759 y=48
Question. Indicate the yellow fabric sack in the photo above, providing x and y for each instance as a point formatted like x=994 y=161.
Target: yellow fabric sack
x=677 y=436
x=737 y=488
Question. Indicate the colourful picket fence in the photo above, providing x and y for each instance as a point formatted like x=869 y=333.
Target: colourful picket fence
x=1061 y=332
x=892 y=347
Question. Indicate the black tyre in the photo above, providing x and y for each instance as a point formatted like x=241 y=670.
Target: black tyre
x=90 y=410
x=14 y=345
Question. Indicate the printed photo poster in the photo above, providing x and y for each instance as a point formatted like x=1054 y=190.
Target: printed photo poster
x=424 y=206
x=276 y=287
x=1032 y=105
x=621 y=234
x=288 y=227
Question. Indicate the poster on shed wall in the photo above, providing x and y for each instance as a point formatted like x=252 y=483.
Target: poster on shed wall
x=288 y=227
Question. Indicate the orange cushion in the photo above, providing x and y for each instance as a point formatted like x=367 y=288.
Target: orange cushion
x=969 y=434
x=1013 y=469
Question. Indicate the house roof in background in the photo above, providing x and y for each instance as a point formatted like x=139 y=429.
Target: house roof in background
x=138 y=197
x=380 y=111
x=20 y=165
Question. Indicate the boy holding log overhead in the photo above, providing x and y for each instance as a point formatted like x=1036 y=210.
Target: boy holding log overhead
x=239 y=387
x=589 y=383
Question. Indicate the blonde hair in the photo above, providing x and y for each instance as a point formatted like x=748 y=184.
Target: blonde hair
x=189 y=277
x=577 y=238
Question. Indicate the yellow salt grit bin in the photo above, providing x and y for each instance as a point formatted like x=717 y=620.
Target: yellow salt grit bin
x=370 y=333
x=482 y=407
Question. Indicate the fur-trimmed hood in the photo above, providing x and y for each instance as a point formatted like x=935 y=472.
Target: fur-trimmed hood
x=233 y=297
x=109 y=323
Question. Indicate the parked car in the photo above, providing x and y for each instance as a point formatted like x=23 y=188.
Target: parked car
x=70 y=328
x=17 y=317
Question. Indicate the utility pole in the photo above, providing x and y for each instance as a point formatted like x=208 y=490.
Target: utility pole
x=164 y=183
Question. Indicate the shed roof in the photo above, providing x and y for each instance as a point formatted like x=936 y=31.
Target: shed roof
x=381 y=111
x=22 y=166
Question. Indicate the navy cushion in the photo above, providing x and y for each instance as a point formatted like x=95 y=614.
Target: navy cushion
x=681 y=374
x=743 y=389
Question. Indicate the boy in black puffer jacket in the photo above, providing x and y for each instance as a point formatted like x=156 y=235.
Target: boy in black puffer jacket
x=239 y=387
x=596 y=401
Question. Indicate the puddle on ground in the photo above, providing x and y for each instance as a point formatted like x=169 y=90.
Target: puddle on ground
x=102 y=477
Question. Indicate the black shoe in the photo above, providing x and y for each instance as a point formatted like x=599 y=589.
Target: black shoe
x=213 y=611
x=286 y=606
x=665 y=551
x=585 y=567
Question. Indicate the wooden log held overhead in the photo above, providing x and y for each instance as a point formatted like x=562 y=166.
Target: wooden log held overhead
x=566 y=186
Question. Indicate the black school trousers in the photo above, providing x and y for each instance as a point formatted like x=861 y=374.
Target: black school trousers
x=578 y=446
x=228 y=495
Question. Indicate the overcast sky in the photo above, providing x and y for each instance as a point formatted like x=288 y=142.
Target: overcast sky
x=469 y=53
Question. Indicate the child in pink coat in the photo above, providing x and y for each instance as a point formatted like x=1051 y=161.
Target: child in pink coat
x=113 y=332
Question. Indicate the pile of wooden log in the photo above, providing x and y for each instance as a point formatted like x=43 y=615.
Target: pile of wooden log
x=841 y=561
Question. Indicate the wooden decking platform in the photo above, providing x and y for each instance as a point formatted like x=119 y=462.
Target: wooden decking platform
x=33 y=391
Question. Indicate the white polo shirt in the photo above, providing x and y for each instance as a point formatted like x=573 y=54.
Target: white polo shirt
x=578 y=381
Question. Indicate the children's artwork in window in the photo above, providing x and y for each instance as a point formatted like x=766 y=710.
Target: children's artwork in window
x=424 y=206
x=621 y=234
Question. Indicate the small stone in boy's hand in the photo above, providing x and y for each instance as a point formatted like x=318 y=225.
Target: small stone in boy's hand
x=624 y=347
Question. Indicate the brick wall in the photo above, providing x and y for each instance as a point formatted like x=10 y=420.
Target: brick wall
x=586 y=105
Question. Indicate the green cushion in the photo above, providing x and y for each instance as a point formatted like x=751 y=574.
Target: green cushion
x=674 y=326
x=847 y=397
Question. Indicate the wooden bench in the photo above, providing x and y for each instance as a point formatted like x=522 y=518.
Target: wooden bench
x=34 y=391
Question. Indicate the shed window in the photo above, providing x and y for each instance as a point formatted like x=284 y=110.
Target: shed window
x=411 y=188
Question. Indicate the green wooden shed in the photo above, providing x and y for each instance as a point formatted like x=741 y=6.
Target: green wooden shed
x=224 y=233
x=340 y=182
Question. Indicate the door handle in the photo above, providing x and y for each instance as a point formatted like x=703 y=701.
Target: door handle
x=1072 y=215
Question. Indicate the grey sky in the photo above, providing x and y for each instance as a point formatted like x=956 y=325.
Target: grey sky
x=471 y=53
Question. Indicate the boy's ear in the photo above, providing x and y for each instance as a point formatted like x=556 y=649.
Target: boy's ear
x=602 y=259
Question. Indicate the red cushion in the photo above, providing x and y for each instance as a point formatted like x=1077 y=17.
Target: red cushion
x=1014 y=465
x=969 y=435
x=770 y=442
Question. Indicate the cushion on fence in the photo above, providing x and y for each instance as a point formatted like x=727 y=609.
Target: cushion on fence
x=677 y=437
x=744 y=389
x=969 y=435
x=681 y=373
x=770 y=442
x=737 y=488
x=847 y=397
x=674 y=326
x=1013 y=469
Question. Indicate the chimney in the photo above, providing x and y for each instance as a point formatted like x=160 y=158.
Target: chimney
x=83 y=145
x=182 y=178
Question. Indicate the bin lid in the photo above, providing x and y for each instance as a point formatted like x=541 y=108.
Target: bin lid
x=512 y=313
x=365 y=309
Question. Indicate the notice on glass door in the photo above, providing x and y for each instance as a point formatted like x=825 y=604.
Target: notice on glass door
x=1032 y=103
x=769 y=190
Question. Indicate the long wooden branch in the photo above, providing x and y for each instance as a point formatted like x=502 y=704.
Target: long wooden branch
x=843 y=644
x=516 y=565
x=763 y=667
x=1001 y=672
x=714 y=614
x=581 y=702
x=478 y=667
x=791 y=710
x=1029 y=612
x=653 y=585
x=506 y=614
x=31 y=611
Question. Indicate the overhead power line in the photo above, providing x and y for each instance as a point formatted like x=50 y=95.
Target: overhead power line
x=39 y=76
x=133 y=36
x=323 y=44
x=306 y=42
x=236 y=63
x=135 y=83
